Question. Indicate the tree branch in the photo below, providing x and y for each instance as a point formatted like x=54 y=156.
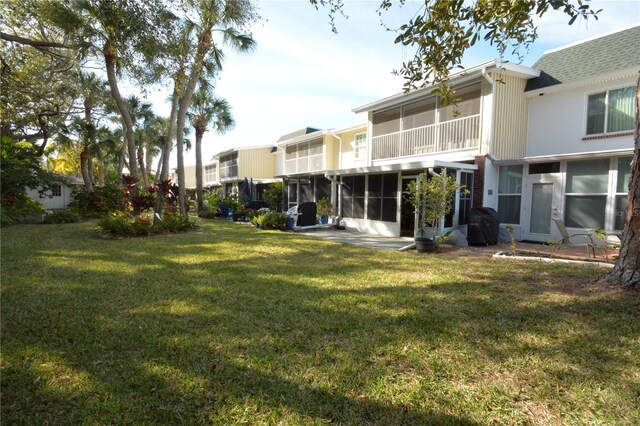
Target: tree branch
x=34 y=43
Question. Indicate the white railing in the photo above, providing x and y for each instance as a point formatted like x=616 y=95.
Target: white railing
x=311 y=163
x=461 y=133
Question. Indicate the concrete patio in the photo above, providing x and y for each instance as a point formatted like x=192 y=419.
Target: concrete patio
x=577 y=252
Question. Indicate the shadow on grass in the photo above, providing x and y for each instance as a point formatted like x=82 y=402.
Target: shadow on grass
x=228 y=323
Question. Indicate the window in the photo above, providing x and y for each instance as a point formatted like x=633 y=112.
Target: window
x=510 y=194
x=622 y=191
x=382 y=202
x=419 y=114
x=210 y=173
x=360 y=146
x=229 y=166
x=466 y=199
x=386 y=122
x=56 y=191
x=611 y=111
x=353 y=197
x=468 y=104
x=542 y=168
x=304 y=157
x=586 y=193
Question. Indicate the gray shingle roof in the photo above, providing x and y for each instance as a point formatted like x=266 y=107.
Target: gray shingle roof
x=297 y=133
x=613 y=52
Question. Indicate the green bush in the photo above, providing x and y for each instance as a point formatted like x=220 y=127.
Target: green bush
x=125 y=225
x=117 y=223
x=173 y=222
x=23 y=206
x=273 y=196
x=62 y=216
x=102 y=200
x=276 y=220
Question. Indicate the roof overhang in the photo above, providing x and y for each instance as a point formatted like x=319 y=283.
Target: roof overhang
x=418 y=165
x=240 y=148
x=560 y=157
x=631 y=73
x=303 y=138
x=456 y=79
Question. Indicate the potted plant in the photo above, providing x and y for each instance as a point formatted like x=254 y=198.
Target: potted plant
x=432 y=198
x=325 y=209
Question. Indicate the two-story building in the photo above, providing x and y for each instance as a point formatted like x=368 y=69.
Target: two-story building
x=412 y=133
x=307 y=160
x=255 y=164
x=574 y=164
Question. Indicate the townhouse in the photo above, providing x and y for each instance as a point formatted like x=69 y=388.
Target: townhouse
x=254 y=164
x=575 y=162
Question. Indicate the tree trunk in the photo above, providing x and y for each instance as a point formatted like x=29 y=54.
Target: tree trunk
x=163 y=170
x=109 y=52
x=85 y=163
x=84 y=169
x=140 y=155
x=204 y=44
x=148 y=159
x=101 y=173
x=626 y=271
x=199 y=191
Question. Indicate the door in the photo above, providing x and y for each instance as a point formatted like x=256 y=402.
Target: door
x=543 y=199
x=407 y=212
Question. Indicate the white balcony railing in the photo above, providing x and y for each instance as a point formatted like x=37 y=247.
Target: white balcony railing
x=311 y=163
x=461 y=133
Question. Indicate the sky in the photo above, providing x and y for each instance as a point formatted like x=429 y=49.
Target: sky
x=302 y=74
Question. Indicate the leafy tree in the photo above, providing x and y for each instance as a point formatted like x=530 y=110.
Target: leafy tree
x=443 y=30
x=21 y=169
x=207 y=109
x=124 y=35
x=38 y=71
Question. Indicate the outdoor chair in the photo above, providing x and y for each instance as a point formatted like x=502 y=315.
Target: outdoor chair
x=566 y=239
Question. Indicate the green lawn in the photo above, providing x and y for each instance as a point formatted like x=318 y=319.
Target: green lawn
x=234 y=325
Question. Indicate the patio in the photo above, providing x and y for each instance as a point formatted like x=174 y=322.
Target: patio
x=577 y=252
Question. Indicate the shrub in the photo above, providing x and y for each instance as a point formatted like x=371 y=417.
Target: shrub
x=15 y=212
x=62 y=216
x=277 y=220
x=117 y=223
x=99 y=202
x=273 y=196
x=174 y=222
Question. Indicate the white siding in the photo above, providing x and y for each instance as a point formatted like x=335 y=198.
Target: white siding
x=557 y=123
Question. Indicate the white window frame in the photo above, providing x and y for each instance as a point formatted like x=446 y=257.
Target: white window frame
x=227 y=166
x=514 y=194
x=606 y=111
x=360 y=146
x=292 y=164
x=210 y=173
x=56 y=190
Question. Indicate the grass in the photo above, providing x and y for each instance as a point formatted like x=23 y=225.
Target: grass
x=233 y=325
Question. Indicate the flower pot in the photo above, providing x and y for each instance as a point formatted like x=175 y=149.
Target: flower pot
x=424 y=245
x=324 y=219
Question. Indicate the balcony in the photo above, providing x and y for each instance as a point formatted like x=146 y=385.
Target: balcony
x=304 y=157
x=461 y=133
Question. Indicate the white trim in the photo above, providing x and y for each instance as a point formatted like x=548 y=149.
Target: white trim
x=585 y=115
x=403 y=166
x=589 y=81
x=459 y=77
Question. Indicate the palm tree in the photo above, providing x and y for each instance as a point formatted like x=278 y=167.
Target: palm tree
x=228 y=19
x=141 y=116
x=207 y=109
